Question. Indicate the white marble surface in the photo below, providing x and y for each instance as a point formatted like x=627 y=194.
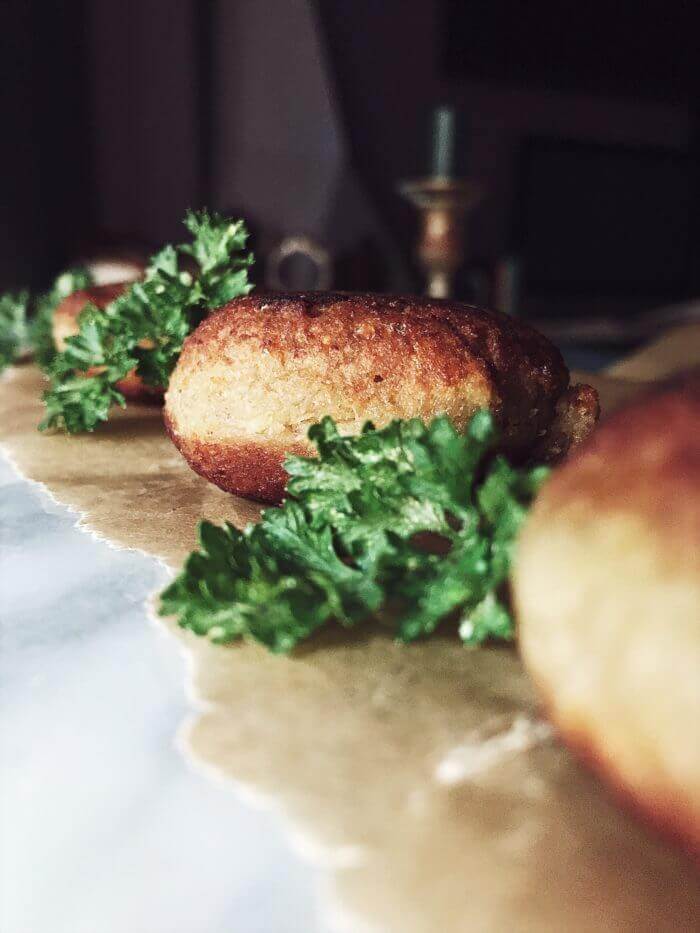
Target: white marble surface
x=104 y=827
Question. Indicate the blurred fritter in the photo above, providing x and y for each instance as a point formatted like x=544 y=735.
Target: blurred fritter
x=607 y=594
x=65 y=324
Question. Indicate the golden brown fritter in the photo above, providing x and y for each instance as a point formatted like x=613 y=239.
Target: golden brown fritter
x=65 y=324
x=256 y=374
x=607 y=593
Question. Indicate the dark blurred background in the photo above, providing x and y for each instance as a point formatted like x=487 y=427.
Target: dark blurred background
x=579 y=123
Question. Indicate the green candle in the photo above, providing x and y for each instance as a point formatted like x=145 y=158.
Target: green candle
x=443 y=141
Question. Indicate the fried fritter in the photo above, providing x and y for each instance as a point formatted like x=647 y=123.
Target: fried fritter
x=256 y=374
x=607 y=595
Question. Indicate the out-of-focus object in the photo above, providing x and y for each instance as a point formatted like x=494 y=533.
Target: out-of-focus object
x=676 y=350
x=597 y=329
x=65 y=317
x=607 y=593
x=443 y=204
x=506 y=282
x=299 y=263
x=443 y=142
x=114 y=268
x=65 y=324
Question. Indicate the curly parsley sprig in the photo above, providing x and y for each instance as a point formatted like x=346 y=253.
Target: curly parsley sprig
x=144 y=328
x=40 y=327
x=27 y=330
x=14 y=336
x=416 y=522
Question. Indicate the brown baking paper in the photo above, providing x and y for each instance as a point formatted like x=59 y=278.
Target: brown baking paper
x=421 y=777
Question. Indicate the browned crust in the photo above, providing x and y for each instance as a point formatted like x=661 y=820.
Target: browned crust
x=245 y=468
x=575 y=416
x=132 y=387
x=654 y=445
x=367 y=333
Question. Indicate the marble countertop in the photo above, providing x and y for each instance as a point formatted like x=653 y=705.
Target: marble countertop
x=106 y=828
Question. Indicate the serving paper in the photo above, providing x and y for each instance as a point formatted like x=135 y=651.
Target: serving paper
x=421 y=777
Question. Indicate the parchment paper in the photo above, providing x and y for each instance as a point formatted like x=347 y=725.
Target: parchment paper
x=421 y=778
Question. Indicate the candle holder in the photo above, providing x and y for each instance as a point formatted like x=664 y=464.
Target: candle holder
x=443 y=204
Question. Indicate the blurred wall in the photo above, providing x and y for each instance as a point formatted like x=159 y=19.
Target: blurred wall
x=302 y=115
x=387 y=58
x=501 y=118
x=281 y=154
x=231 y=105
x=145 y=120
x=46 y=179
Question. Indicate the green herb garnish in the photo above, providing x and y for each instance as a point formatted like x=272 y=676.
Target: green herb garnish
x=144 y=328
x=23 y=331
x=416 y=522
x=14 y=336
x=41 y=325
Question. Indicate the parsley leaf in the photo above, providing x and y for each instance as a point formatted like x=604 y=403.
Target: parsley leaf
x=41 y=325
x=145 y=328
x=217 y=247
x=21 y=330
x=414 y=523
x=84 y=375
x=80 y=403
x=14 y=335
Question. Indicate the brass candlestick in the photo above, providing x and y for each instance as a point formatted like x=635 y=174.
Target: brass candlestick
x=443 y=203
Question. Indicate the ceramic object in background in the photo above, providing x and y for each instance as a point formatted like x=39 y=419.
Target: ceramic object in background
x=299 y=263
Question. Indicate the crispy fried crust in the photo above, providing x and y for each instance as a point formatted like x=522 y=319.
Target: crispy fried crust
x=575 y=416
x=607 y=593
x=644 y=459
x=258 y=372
x=65 y=324
x=249 y=469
